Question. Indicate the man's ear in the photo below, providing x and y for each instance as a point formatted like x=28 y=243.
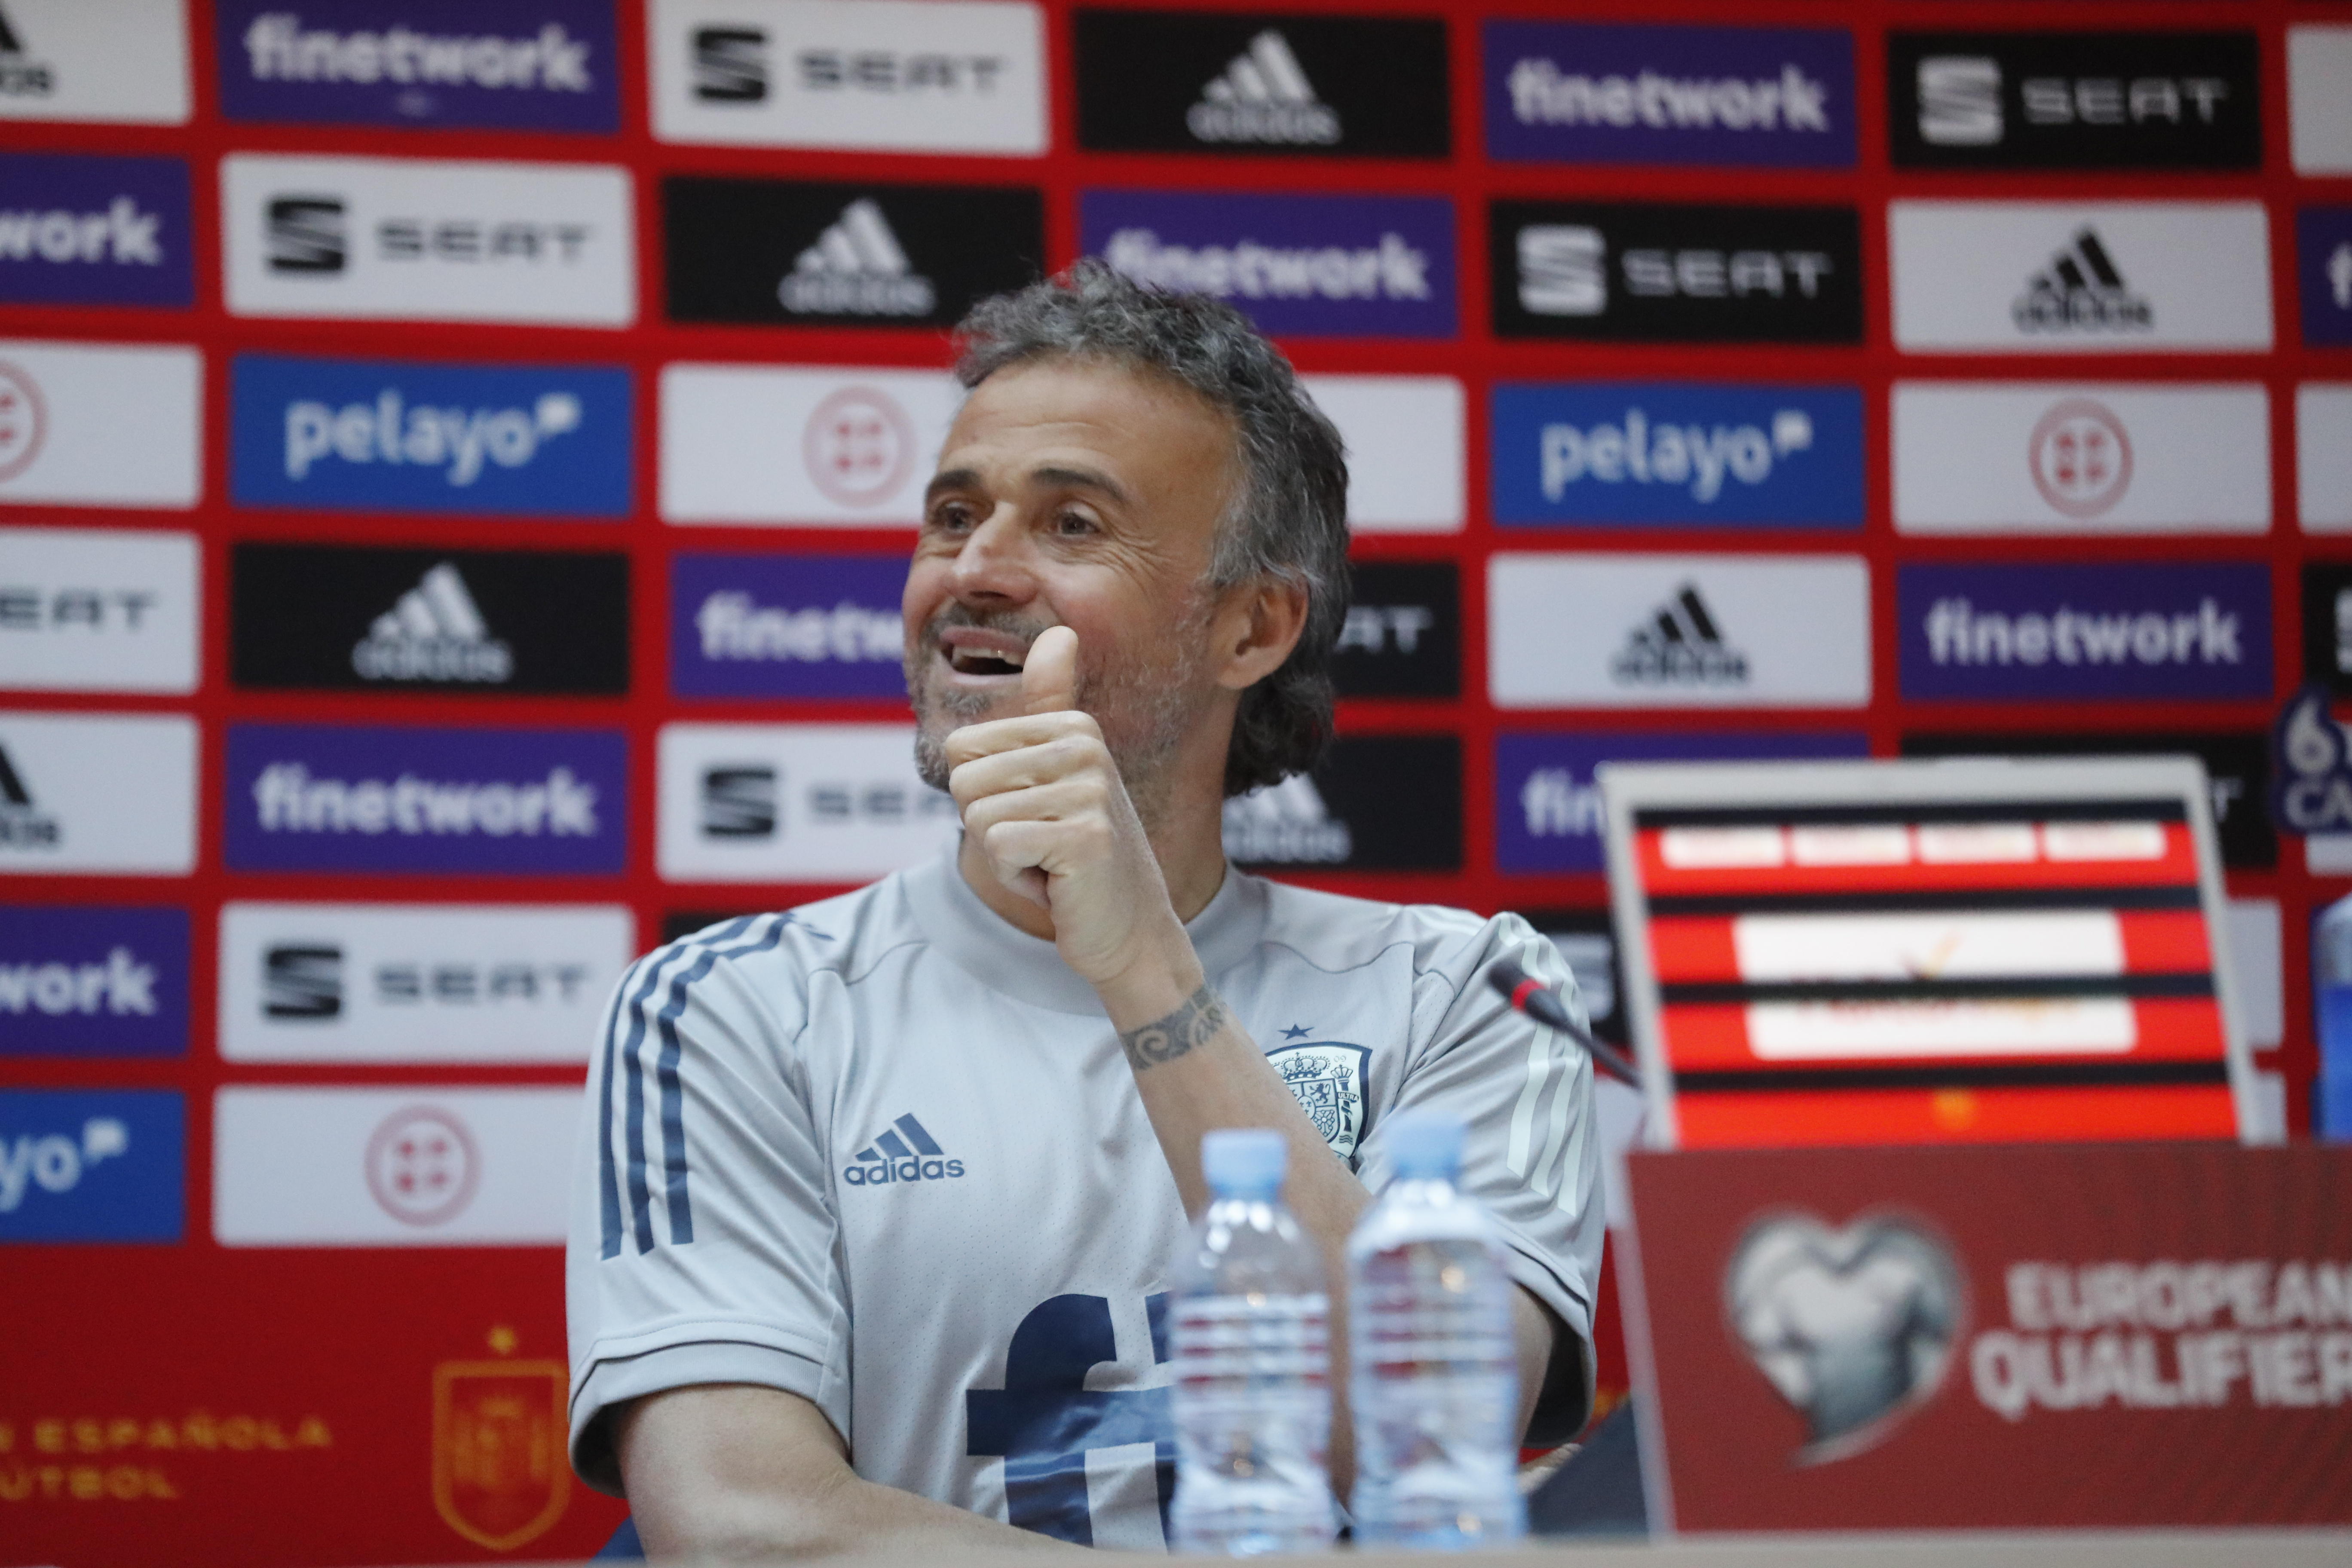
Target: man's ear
x=1256 y=629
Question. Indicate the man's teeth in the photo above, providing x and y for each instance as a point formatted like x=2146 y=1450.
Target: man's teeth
x=985 y=664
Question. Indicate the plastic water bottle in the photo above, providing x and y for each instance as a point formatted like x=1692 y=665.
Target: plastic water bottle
x=1252 y=1392
x=2331 y=973
x=1433 y=1373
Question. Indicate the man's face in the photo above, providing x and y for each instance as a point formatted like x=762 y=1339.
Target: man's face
x=1075 y=494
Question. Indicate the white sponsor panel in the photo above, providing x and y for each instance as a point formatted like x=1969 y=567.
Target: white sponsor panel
x=429 y=240
x=83 y=792
x=413 y=1166
x=1828 y=1031
x=794 y=803
x=100 y=424
x=2079 y=277
x=87 y=609
x=417 y=982
x=897 y=76
x=119 y=61
x=2323 y=433
x=1590 y=630
x=2319 y=101
x=776 y=444
x=2252 y=939
x=1405 y=443
x=2067 y=457
x=1963 y=943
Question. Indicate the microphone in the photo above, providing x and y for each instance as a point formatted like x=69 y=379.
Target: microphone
x=1537 y=1000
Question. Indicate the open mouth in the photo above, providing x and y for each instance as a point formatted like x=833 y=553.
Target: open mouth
x=966 y=661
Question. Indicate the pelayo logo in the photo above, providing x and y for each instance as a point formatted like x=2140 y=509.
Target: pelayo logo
x=1581 y=94
x=511 y=63
x=786 y=626
x=92 y=981
x=81 y=1165
x=76 y=230
x=353 y=798
x=405 y=435
x=2031 y=633
x=1664 y=452
x=1301 y=266
x=1548 y=809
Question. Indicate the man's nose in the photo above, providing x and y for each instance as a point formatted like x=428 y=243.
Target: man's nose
x=996 y=562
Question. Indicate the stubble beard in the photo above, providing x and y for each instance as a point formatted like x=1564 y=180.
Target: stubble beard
x=1146 y=705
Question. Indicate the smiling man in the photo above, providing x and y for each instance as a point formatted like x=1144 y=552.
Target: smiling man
x=878 y=1197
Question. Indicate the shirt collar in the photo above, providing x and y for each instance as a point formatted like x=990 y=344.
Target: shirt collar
x=1003 y=957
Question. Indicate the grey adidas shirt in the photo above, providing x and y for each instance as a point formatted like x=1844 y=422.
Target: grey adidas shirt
x=885 y=1151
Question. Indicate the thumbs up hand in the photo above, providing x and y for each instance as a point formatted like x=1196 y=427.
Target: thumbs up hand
x=1043 y=802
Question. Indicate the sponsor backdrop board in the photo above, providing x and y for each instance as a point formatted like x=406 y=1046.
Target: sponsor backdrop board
x=420 y=419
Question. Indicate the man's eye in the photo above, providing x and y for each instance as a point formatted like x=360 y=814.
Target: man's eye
x=952 y=519
x=1072 y=524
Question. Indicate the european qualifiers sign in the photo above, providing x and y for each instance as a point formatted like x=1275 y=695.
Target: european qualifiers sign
x=1254 y=83
x=1377 y=803
x=507 y=65
x=2074 y=100
x=81 y=230
x=1651 y=272
x=763 y=252
x=1402 y=637
x=1576 y=92
x=327 y=618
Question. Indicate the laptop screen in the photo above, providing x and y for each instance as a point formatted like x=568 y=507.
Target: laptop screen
x=1901 y=952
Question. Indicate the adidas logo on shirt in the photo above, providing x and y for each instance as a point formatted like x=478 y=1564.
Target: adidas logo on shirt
x=903 y=1152
x=2082 y=289
x=433 y=633
x=856 y=268
x=1680 y=644
x=21 y=822
x=1264 y=96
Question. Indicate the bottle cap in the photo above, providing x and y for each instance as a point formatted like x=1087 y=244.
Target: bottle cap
x=1245 y=1161
x=1424 y=1145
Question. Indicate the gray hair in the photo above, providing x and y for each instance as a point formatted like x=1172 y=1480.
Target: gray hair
x=1289 y=516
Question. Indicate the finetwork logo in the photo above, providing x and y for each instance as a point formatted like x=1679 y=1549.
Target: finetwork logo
x=2082 y=289
x=78 y=980
x=433 y=633
x=91 y=230
x=1286 y=822
x=402 y=436
x=2027 y=632
x=805 y=626
x=1572 y=91
x=1679 y=645
x=2323 y=263
x=82 y=1165
x=1264 y=96
x=730 y=625
x=511 y=63
x=288 y=799
x=856 y=268
x=1299 y=265
x=904 y=1151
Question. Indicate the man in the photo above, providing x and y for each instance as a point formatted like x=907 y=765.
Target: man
x=879 y=1196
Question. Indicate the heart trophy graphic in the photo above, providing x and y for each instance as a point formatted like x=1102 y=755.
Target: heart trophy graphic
x=1853 y=1328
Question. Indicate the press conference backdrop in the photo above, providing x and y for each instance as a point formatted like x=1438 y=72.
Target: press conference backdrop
x=456 y=459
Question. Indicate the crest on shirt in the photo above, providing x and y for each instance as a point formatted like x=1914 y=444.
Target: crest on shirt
x=1328 y=1078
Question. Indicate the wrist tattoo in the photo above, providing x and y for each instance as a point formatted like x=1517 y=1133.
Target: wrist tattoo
x=1165 y=1039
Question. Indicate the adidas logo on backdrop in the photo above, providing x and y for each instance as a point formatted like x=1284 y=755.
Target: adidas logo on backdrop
x=22 y=75
x=1286 y=822
x=21 y=821
x=1264 y=96
x=2082 y=289
x=433 y=633
x=1680 y=644
x=914 y=1157
x=856 y=268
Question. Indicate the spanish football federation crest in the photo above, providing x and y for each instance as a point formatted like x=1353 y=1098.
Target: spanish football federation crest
x=1329 y=1080
x=500 y=1477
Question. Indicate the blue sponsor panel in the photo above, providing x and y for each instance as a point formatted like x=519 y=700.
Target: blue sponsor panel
x=1548 y=813
x=2324 y=264
x=1643 y=452
x=86 y=981
x=321 y=797
x=1575 y=92
x=538 y=65
x=92 y=1166
x=2037 y=633
x=76 y=230
x=1299 y=265
x=786 y=626
x=402 y=436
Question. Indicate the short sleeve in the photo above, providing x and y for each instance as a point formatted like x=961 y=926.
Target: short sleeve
x=1532 y=1155
x=701 y=1244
